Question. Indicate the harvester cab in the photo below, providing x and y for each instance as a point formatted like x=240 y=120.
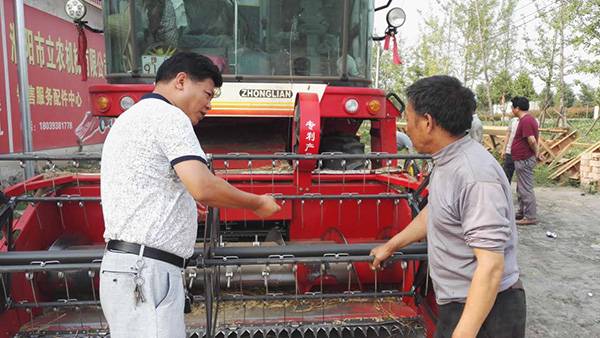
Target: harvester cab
x=297 y=111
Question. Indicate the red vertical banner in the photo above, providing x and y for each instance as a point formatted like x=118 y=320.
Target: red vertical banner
x=59 y=100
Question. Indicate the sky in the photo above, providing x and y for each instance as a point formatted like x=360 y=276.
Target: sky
x=526 y=19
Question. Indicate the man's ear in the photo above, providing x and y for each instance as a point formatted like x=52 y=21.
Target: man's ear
x=180 y=80
x=429 y=122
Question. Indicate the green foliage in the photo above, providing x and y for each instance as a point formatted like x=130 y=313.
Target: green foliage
x=523 y=86
x=587 y=33
x=502 y=87
x=569 y=97
x=588 y=95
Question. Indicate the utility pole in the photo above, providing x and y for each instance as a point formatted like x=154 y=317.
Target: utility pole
x=23 y=84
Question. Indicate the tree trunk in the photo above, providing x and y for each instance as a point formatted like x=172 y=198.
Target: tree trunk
x=484 y=57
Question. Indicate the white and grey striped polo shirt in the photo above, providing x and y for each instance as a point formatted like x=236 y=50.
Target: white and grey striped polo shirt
x=143 y=200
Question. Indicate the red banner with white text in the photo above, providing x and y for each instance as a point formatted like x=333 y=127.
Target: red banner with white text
x=59 y=99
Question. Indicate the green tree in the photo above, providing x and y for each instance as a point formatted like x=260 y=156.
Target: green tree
x=568 y=98
x=523 y=86
x=502 y=87
x=587 y=34
x=587 y=94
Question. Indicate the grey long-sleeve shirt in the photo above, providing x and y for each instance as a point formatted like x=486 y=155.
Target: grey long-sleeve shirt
x=470 y=206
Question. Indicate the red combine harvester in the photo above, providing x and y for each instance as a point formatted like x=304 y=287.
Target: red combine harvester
x=295 y=96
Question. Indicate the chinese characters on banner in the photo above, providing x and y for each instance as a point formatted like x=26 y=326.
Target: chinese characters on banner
x=59 y=100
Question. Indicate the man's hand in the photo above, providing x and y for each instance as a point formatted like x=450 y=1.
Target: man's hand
x=502 y=156
x=540 y=157
x=267 y=206
x=380 y=254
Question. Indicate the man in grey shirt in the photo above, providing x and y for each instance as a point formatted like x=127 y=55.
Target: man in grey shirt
x=469 y=222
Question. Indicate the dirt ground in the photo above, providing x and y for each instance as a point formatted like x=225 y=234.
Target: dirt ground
x=562 y=275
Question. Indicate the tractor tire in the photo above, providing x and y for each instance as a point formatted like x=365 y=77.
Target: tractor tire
x=347 y=144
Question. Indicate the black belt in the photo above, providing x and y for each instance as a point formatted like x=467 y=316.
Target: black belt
x=134 y=248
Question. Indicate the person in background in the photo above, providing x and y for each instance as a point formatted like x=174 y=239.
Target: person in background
x=525 y=153
x=476 y=131
x=403 y=142
x=508 y=164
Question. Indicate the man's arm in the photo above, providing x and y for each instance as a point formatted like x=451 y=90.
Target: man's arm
x=415 y=231
x=482 y=293
x=213 y=191
x=533 y=144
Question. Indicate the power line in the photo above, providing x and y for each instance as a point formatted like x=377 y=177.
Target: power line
x=538 y=14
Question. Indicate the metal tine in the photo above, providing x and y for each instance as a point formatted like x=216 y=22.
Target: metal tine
x=349 y=268
x=241 y=294
x=92 y=274
x=63 y=275
x=273 y=177
x=30 y=312
x=265 y=274
x=4 y=292
x=226 y=166
x=251 y=176
x=37 y=214
x=294 y=166
x=302 y=214
x=85 y=216
x=78 y=309
x=358 y=205
x=396 y=203
x=343 y=175
x=322 y=268
x=319 y=166
x=321 y=213
x=340 y=213
x=378 y=203
x=297 y=290
x=388 y=165
x=29 y=276
x=367 y=165
x=62 y=220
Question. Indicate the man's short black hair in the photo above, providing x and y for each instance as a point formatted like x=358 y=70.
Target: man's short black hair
x=448 y=102
x=520 y=102
x=197 y=66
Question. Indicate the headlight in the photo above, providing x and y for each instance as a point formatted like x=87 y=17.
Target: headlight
x=396 y=17
x=351 y=106
x=75 y=9
x=126 y=102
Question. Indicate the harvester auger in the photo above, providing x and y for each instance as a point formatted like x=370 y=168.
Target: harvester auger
x=306 y=276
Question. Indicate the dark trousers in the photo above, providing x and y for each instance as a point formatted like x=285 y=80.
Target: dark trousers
x=509 y=167
x=505 y=320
